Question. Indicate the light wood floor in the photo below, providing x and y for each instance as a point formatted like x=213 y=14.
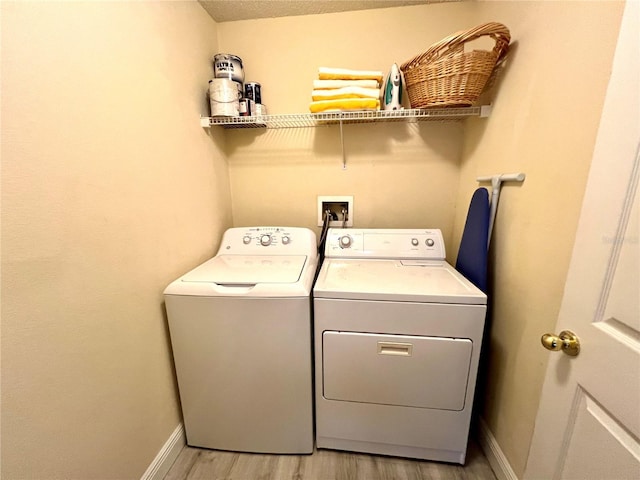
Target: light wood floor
x=202 y=464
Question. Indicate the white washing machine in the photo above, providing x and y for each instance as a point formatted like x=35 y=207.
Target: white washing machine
x=397 y=342
x=240 y=328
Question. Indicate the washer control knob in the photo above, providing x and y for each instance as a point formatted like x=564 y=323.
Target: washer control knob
x=430 y=242
x=345 y=241
x=414 y=242
x=286 y=240
x=265 y=240
x=246 y=239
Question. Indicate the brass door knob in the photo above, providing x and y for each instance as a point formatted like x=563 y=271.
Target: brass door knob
x=567 y=341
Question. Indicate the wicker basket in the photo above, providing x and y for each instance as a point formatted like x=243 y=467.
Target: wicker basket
x=446 y=75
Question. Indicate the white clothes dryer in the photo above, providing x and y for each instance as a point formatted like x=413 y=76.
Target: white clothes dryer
x=240 y=327
x=397 y=343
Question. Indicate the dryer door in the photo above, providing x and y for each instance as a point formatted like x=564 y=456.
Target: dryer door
x=402 y=370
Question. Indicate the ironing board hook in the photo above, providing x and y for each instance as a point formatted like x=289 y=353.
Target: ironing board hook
x=496 y=183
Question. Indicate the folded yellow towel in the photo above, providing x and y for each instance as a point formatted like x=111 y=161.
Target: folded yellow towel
x=326 y=73
x=346 y=92
x=345 y=104
x=324 y=84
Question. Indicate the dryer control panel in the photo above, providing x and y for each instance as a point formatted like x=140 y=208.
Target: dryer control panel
x=426 y=244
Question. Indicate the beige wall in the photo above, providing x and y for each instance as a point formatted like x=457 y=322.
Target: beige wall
x=110 y=190
x=399 y=174
x=544 y=124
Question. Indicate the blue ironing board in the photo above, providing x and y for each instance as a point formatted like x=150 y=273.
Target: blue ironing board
x=472 y=255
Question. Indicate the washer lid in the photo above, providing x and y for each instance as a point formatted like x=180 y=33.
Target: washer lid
x=398 y=280
x=248 y=270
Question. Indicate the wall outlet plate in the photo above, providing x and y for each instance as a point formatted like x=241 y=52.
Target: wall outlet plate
x=336 y=204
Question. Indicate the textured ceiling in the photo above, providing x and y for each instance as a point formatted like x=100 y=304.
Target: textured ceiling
x=231 y=10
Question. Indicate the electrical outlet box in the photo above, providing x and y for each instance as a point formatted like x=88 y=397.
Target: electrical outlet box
x=339 y=206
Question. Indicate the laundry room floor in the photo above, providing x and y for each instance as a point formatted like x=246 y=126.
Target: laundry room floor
x=198 y=463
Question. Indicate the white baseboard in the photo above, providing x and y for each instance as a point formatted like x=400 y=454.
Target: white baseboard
x=494 y=453
x=172 y=447
x=166 y=456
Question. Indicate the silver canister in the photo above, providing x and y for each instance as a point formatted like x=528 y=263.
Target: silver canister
x=259 y=110
x=228 y=66
x=252 y=90
x=223 y=97
x=245 y=107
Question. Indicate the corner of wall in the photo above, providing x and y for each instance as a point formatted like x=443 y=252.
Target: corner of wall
x=495 y=456
x=166 y=456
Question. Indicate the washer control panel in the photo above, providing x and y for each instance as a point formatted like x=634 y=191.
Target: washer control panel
x=269 y=241
x=385 y=243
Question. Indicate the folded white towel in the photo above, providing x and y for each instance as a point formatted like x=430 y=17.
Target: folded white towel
x=326 y=73
x=324 y=84
x=346 y=92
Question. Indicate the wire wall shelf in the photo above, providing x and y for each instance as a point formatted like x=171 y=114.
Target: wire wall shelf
x=302 y=120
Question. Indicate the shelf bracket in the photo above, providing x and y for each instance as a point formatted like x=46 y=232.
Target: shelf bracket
x=485 y=111
x=344 y=159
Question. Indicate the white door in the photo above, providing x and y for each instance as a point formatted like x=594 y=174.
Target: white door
x=588 y=424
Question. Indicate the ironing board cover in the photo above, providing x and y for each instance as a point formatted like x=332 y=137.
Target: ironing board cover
x=472 y=255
